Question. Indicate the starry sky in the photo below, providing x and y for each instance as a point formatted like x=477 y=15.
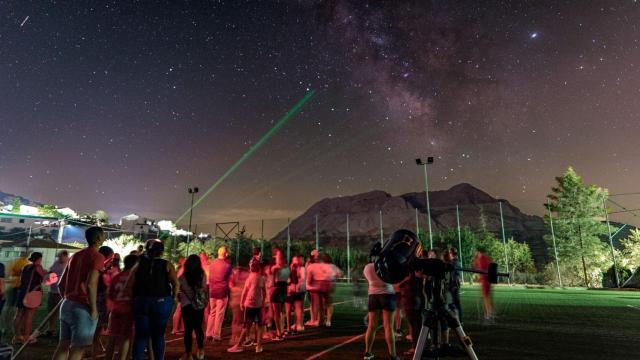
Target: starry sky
x=121 y=105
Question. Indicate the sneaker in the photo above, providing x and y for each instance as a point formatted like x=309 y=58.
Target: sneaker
x=267 y=336
x=367 y=356
x=249 y=343
x=235 y=349
x=259 y=349
x=277 y=338
x=327 y=323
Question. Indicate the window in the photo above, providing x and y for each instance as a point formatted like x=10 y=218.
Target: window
x=6 y=220
x=21 y=221
x=1 y=228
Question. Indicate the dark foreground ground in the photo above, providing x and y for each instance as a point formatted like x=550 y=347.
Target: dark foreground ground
x=531 y=324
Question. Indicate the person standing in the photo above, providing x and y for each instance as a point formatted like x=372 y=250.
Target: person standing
x=324 y=278
x=155 y=287
x=238 y=279
x=79 y=286
x=281 y=273
x=11 y=294
x=120 y=307
x=382 y=304
x=219 y=275
x=252 y=302
x=55 y=273
x=295 y=294
x=193 y=297
x=454 y=284
x=311 y=290
x=30 y=281
x=481 y=262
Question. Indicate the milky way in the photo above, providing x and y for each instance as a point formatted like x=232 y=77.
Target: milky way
x=122 y=106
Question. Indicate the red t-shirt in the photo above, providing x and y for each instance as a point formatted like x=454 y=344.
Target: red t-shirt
x=118 y=298
x=81 y=264
x=482 y=263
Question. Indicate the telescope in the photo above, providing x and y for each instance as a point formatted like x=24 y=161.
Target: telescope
x=401 y=256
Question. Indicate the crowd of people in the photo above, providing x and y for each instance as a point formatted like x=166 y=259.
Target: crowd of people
x=120 y=308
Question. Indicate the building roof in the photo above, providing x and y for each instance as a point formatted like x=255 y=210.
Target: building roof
x=9 y=214
x=38 y=243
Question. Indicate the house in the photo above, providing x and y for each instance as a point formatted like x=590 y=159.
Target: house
x=10 y=250
x=19 y=226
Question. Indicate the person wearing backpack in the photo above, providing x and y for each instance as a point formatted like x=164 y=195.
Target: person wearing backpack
x=193 y=300
x=295 y=294
x=29 y=298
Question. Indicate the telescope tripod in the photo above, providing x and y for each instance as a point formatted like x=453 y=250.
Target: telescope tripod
x=432 y=324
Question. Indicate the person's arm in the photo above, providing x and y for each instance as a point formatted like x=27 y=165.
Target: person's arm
x=173 y=278
x=243 y=296
x=40 y=270
x=131 y=281
x=92 y=291
x=62 y=282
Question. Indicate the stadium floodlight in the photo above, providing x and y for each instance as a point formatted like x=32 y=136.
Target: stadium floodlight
x=419 y=162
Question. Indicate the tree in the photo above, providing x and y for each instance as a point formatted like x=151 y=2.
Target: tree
x=50 y=210
x=578 y=226
x=102 y=218
x=631 y=250
x=17 y=204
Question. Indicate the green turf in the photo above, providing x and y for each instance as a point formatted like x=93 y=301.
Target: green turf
x=531 y=324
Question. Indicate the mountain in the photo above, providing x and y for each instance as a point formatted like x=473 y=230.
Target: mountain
x=7 y=199
x=400 y=212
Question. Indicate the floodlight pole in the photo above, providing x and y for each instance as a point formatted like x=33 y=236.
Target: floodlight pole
x=417 y=224
x=553 y=237
x=317 y=235
x=348 y=252
x=504 y=241
x=262 y=237
x=193 y=192
x=459 y=242
x=613 y=255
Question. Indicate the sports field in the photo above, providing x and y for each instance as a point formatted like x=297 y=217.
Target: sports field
x=531 y=324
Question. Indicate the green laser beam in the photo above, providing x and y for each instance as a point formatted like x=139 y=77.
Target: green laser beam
x=283 y=120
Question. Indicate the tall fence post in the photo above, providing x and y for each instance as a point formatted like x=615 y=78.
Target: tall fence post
x=317 y=235
x=288 y=239
x=381 y=230
x=262 y=237
x=504 y=242
x=237 y=251
x=459 y=242
x=215 y=240
x=553 y=237
x=417 y=225
x=348 y=252
x=613 y=254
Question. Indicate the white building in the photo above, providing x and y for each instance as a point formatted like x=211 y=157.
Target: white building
x=11 y=223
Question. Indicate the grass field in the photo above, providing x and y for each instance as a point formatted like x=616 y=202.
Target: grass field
x=531 y=324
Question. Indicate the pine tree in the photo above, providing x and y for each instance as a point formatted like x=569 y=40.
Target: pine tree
x=578 y=226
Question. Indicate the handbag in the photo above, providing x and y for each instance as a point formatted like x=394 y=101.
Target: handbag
x=32 y=299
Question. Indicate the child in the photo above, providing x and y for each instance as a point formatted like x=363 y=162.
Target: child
x=251 y=302
x=119 y=303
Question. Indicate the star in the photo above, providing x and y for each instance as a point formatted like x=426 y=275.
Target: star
x=534 y=35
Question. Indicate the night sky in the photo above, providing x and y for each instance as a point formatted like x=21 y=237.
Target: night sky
x=121 y=105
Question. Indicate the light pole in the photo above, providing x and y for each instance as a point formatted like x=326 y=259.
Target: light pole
x=193 y=192
x=426 y=193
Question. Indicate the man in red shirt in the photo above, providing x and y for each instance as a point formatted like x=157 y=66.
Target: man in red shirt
x=219 y=277
x=481 y=262
x=79 y=286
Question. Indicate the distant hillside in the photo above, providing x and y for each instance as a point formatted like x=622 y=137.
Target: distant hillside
x=399 y=212
x=8 y=199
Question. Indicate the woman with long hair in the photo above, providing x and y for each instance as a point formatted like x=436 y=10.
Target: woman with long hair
x=30 y=281
x=155 y=286
x=382 y=304
x=193 y=298
x=177 y=327
x=281 y=273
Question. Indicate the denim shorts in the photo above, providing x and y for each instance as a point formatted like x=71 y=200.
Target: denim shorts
x=76 y=324
x=385 y=302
